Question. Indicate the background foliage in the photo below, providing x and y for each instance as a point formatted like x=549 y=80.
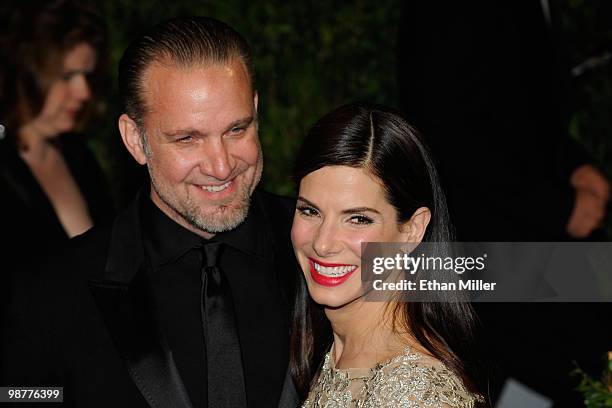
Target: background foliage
x=312 y=56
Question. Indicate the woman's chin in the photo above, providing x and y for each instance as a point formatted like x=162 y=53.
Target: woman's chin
x=332 y=298
x=65 y=126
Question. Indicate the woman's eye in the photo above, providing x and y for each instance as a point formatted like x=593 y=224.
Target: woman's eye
x=360 y=220
x=308 y=211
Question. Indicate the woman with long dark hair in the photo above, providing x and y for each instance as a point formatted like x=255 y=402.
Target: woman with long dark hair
x=365 y=175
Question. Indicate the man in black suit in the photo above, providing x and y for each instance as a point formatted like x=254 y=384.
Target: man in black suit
x=184 y=300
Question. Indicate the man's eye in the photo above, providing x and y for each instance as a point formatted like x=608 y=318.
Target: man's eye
x=360 y=220
x=308 y=211
x=185 y=139
x=237 y=130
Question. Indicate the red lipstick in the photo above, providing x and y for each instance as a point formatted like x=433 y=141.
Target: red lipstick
x=325 y=280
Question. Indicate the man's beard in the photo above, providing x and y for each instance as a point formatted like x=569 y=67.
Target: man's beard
x=223 y=217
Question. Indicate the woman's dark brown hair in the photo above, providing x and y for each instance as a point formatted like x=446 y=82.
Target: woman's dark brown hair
x=34 y=39
x=380 y=140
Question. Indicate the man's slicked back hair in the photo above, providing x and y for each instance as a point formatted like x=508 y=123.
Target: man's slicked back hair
x=185 y=42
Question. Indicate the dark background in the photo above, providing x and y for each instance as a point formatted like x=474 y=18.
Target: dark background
x=312 y=56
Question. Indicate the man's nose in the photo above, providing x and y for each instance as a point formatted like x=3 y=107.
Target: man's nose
x=216 y=160
x=327 y=241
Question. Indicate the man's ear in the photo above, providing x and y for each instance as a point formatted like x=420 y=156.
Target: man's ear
x=255 y=103
x=131 y=138
x=414 y=229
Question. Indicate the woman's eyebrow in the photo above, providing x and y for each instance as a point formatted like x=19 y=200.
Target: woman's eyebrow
x=307 y=202
x=360 y=209
x=346 y=211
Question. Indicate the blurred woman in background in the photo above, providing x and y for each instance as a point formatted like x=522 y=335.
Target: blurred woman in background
x=51 y=184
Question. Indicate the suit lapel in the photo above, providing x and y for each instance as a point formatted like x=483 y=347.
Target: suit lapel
x=124 y=299
x=289 y=397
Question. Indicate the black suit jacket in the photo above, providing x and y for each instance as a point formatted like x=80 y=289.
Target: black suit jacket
x=85 y=322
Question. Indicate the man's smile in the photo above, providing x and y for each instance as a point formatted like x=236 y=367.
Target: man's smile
x=217 y=188
x=218 y=191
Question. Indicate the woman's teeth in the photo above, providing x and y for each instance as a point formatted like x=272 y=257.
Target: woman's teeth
x=214 y=189
x=334 y=271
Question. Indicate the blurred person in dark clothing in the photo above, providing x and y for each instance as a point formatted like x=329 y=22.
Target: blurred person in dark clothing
x=51 y=184
x=481 y=80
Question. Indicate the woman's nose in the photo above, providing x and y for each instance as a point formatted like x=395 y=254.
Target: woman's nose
x=327 y=241
x=80 y=88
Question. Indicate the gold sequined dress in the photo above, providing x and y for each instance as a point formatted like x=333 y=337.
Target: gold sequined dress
x=411 y=380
